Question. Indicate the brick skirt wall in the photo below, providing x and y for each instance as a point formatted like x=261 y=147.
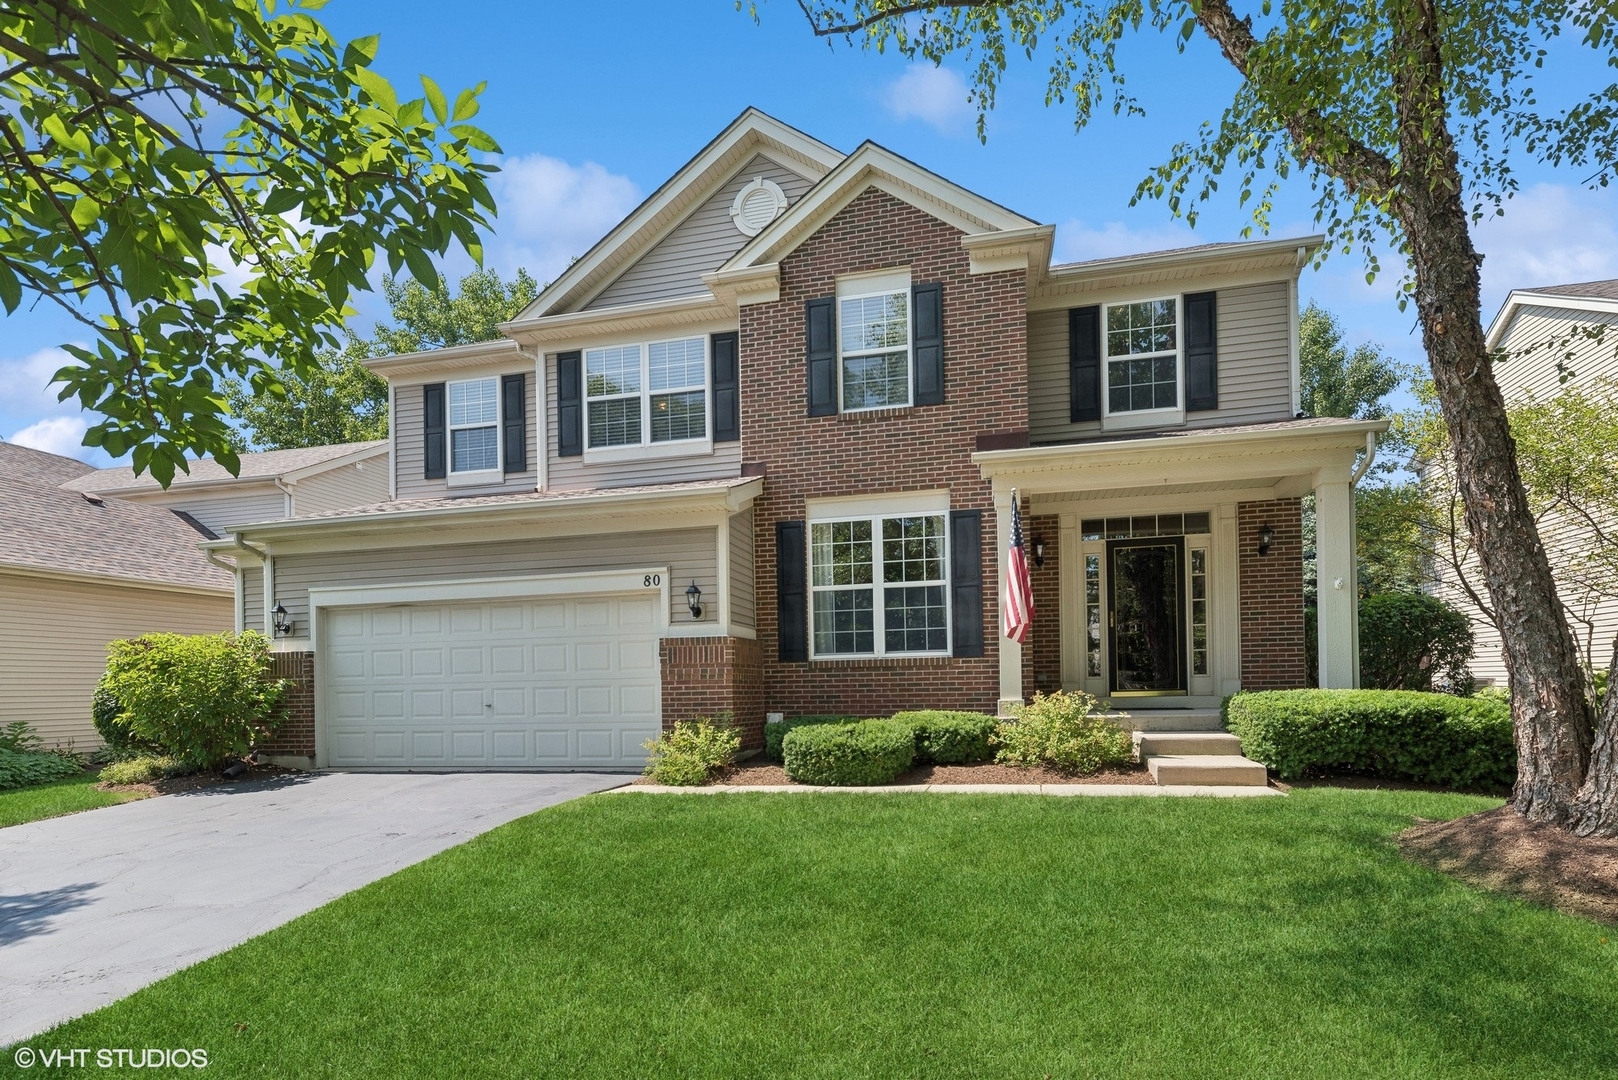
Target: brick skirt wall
x=296 y=734
x=708 y=676
x=1272 y=596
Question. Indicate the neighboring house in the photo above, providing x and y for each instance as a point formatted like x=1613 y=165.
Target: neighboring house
x=1542 y=333
x=271 y=484
x=78 y=571
x=755 y=451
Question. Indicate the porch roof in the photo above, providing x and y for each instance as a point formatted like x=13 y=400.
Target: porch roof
x=1289 y=456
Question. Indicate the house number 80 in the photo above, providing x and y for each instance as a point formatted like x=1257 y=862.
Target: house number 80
x=652 y=579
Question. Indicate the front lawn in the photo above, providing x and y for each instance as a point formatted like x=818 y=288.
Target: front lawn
x=909 y=935
x=55 y=799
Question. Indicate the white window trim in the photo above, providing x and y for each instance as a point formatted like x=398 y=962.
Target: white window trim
x=884 y=284
x=646 y=448
x=1132 y=418
x=878 y=587
x=474 y=477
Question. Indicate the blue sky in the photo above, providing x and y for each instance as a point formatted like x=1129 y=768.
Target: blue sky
x=594 y=115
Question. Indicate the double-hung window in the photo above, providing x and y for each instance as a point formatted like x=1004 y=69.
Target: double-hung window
x=1143 y=356
x=874 y=343
x=655 y=392
x=879 y=586
x=474 y=426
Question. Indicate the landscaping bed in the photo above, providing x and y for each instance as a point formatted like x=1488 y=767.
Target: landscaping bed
x=176 y=785
x=1504 y=852
x=758 y=772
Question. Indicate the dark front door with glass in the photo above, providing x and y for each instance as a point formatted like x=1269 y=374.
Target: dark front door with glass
x=1146 y=616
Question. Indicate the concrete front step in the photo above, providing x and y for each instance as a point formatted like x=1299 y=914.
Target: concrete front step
x=1210 y=770
x=1169 y=720
x=1181 y=743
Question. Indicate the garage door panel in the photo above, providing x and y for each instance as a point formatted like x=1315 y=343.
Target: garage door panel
x=563 y=682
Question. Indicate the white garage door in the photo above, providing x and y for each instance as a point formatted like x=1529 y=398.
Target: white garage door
x=569 y=682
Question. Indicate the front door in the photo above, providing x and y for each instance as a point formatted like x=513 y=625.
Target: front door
x=1146 y=616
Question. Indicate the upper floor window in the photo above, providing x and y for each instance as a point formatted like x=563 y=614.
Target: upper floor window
x=641 y=394
x=879 y=586
x=873 y=316
x=474 y=425
x=1142 y=356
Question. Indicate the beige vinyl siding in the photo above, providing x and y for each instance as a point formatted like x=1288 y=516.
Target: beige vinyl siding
x=361 y=483
x=409 y=439
x=575 y=474
x=1255 y=365
x=1540 y=336
x=743 y=601
x=218 y=511
x=688 y=553
x=253 y=598
x=53 y=644
x=700 y=243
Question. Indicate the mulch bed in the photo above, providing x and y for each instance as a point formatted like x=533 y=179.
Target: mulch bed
x=177 y=785
x=767 y=772
x=1501 y=851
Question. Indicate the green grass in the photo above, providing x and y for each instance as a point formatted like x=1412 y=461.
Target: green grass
x=57 y=798
x=909 y=936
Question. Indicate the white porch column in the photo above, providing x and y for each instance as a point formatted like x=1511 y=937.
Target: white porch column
x=1010 y=651
x=1334 y=574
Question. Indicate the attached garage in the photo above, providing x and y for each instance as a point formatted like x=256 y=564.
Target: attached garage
x=566 y=676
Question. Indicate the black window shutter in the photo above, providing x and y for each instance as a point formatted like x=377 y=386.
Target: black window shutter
x=791 y=610
x=1201 y=352
x=432 y=430
x=727 y=412
x=927 y=315
x=514 y=421
x=820 y=322
x=1084 y=364
x=569 y=406
x=966 y=580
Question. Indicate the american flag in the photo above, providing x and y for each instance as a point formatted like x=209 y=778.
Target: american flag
x=1017 y=610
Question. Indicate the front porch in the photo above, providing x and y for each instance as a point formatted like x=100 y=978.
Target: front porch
x=1168 y=569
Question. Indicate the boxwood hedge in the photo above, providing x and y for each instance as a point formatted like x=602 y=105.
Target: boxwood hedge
x=950 y=738
x=777 y=730
x=1438 y=739
x=869 y=752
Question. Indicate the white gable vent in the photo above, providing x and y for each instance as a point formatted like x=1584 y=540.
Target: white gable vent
x=757 y=204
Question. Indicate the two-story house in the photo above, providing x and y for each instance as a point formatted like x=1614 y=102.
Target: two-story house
x=755 y=452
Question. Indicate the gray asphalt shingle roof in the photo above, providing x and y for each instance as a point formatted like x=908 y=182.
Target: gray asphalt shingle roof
x=1600 y=290
x=38 y=466
x=267 y=465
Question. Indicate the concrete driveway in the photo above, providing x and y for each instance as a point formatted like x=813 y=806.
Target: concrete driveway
x=96 y=905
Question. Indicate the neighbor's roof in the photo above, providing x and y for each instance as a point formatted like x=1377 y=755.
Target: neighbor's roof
x=1599 y=290
x=38 y=466
x=54 y=530
x=268 y=465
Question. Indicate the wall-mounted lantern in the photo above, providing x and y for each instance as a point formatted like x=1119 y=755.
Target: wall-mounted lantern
x=1039 y=551
x=693 y=599
x=282 y=621
x=1266 y=537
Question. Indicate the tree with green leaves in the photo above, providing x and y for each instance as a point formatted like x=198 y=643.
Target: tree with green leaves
x=203 y=184
x=339 y=399
x=1405 y=116
x=1335 y=380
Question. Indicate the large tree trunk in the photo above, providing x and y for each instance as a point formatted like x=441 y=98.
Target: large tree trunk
x=1550 y=710
x=1595 y=811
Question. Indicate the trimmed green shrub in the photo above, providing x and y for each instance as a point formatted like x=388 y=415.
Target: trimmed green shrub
x=950 y=738
x=776 y=731
x=1423 y=738
x=1063 y=730
x=141 y=770
x=25 y=768
x=121 y=743
x=203 y=698
x=849 y=755
x=691 y=753
x=1412 y=641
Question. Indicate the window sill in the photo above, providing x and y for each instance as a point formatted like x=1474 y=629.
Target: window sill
x=854 y=416
x=609 y=455
x=1145 y=418
x=897 y=660
x=481 y=478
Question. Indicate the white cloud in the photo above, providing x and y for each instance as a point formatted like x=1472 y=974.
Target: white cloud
x=56 y=435
x=933 y=95
x=1077 y=241
x=25 y=382
x=552 y=211
x=1551 y=234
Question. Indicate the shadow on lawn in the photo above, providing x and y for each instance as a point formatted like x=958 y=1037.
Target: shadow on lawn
x=26 y=914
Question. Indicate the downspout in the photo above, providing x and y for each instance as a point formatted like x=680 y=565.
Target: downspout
x=287 y=492
x=268 y=563
x=237 y=601
x=1365 y=463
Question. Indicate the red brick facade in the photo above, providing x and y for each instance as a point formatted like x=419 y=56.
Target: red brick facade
x=1272 y=596
x=709 y=676
x=295 y=737
x=888 y=451
x=1042 y=652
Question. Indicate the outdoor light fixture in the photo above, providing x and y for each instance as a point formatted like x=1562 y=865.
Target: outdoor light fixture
x=693 y=598
x=1039 y=551
x=1266 y=537
x=283 y=624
